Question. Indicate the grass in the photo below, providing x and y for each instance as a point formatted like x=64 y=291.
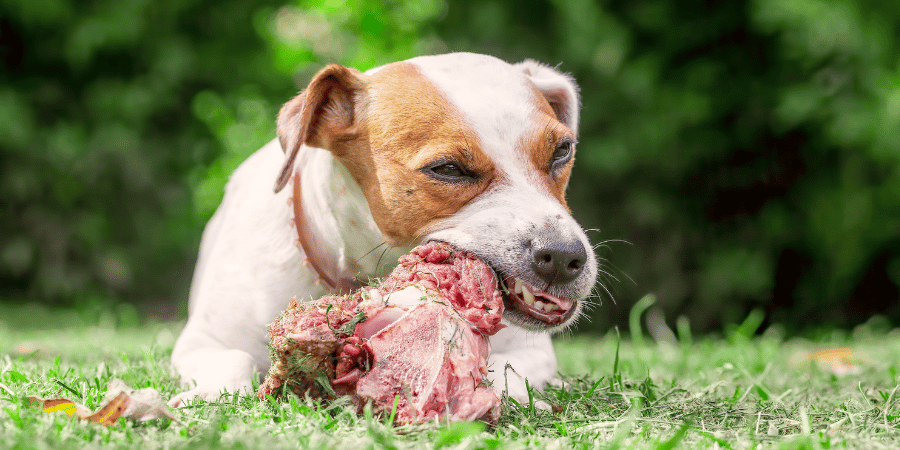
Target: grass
x=734 y=391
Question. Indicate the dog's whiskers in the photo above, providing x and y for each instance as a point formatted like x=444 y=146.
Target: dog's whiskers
x=602 y=272
x=389 y=247
x=381 y=256
x=373 y=249
x=604 y=244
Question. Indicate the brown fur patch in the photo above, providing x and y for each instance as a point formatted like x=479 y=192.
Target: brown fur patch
x=539 y=145
x=409 y=124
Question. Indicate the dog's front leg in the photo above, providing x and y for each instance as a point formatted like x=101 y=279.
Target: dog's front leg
x=247 y=271
x=518 y=355
x=210 y=368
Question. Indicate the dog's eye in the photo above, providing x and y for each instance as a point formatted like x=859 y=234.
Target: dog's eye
x=449 y=171
x=562 y=154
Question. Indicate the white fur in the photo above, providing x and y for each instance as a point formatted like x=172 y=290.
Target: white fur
x=249 y=267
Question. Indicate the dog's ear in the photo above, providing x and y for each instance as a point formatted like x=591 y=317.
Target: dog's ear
x=324 y=111
x=558 y=88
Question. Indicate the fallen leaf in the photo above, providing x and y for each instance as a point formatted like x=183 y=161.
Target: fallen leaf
x=61 y=404
x=110 y=413
x=839 y=361
x=144 y=404
x=120 y=401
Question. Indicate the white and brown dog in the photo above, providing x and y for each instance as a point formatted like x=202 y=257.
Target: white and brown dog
x=460 y=148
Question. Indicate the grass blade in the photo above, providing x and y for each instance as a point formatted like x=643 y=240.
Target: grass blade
x=634 y=318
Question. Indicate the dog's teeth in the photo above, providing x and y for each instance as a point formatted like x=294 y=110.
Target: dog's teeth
x=550 y=307
x=527 y=296
x=519 y=284
x=539 y=305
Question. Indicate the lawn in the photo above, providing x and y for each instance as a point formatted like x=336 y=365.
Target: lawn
x=838 y=390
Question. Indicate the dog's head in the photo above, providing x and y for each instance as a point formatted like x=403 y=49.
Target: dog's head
x=464 y=149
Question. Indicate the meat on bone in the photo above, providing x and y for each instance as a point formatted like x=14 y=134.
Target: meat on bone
x=418 y=339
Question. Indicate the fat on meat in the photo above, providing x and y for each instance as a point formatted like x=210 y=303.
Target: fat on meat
x=418 y=339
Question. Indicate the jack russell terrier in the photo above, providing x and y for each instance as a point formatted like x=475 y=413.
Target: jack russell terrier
x=460 y=148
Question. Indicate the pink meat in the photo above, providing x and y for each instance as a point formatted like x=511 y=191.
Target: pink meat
x=465 y=281
x=419 y=339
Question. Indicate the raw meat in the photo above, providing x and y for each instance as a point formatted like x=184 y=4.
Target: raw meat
x=419 y=339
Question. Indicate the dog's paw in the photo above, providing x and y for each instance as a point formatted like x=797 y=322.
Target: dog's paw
x=187 y=397
x=216 y=373
x=542 y=405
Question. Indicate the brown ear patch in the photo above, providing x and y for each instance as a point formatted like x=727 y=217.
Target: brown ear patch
x=323 y=112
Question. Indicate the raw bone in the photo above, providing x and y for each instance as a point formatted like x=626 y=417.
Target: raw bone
x=419 y=339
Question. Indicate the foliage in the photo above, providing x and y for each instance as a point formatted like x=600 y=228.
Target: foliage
x=748 y=150
x=100 y=149
x=121 y=122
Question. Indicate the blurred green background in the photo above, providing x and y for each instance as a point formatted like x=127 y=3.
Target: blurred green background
x=746 y=151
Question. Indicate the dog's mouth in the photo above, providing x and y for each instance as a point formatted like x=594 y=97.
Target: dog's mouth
x=536 y=304
x=531 y=307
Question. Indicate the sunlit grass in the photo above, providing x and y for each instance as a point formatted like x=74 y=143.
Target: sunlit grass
x=734 y=391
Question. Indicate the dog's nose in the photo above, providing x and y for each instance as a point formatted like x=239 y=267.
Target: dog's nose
x=558 y=262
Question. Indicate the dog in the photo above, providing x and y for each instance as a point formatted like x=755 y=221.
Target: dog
x=461 y=148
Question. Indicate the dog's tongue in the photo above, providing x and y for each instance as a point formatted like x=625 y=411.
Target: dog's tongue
x=563 y=304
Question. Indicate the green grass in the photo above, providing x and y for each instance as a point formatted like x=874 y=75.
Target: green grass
x=704 y=392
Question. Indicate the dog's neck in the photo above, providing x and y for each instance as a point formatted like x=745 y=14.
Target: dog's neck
x=342 y=243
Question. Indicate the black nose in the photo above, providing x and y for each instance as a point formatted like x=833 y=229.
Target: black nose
x=558 y=262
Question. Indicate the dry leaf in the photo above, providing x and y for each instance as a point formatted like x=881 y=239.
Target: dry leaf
x=110 y=412
x=840 y=361
x=120 y=401
x=61 y=404
x=145 y=404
